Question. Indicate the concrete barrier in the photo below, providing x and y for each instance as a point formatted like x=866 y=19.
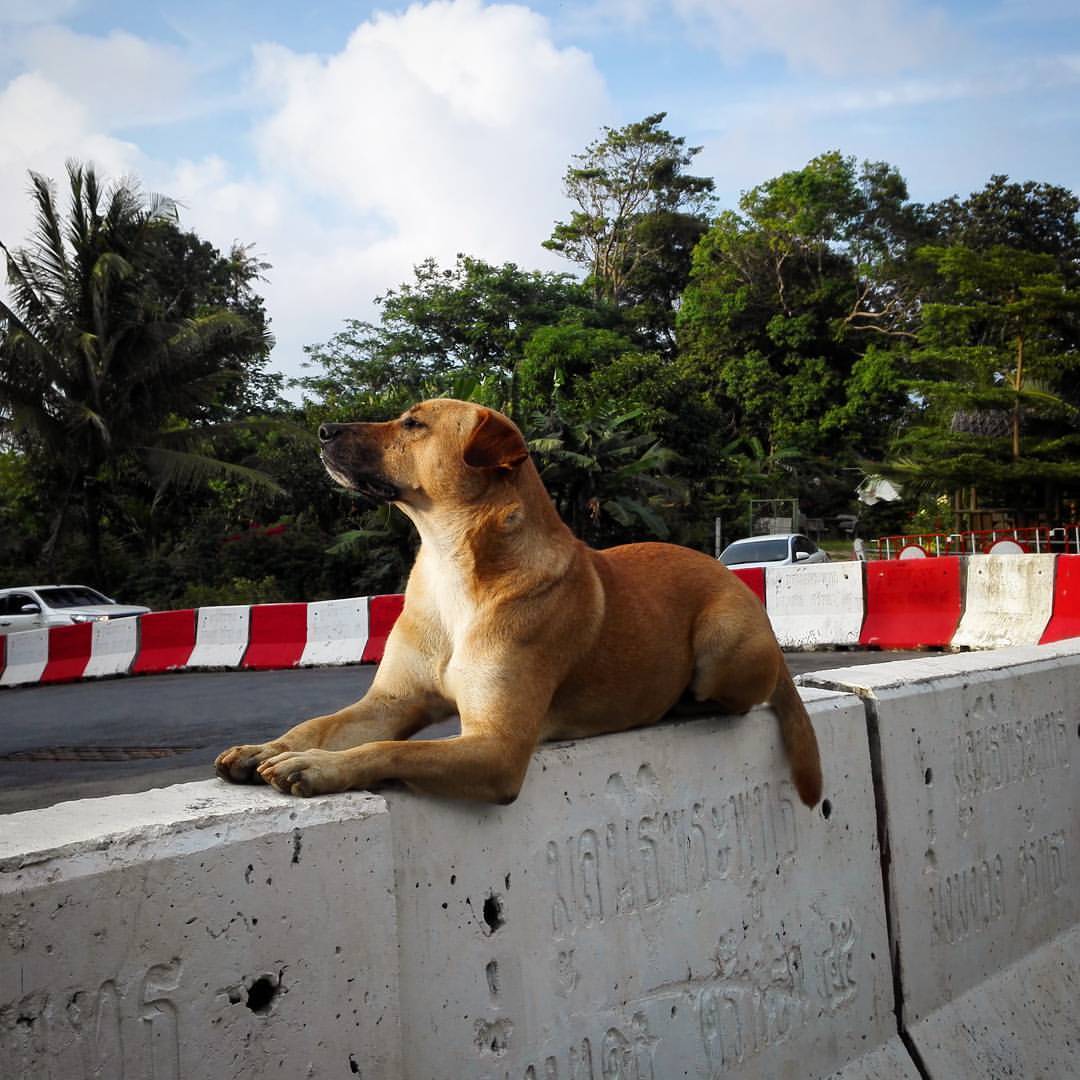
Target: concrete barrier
x=912 y=603
x=655 y=904
x=337 y=632
x=977 y=758
x=113 y=645
x=166 y=641
x=1065 y=618
x=1007 y=601
x=221 y=637
x=26 y=655
x=278 y=636
x=811 y=606
x=199 y=932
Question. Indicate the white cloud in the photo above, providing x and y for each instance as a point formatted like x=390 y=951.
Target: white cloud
x=829 y=37
x=452 y=120
x=443 y=129
x=24 y=13
x=120 y=79
x=40 y=128
x=838 y=37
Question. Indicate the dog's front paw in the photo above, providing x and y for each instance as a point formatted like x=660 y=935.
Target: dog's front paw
x=305 y=772
x=239 y=764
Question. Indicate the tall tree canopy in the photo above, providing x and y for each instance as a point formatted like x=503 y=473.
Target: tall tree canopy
x=122 y=332
x=997 y=369
x=637 y=216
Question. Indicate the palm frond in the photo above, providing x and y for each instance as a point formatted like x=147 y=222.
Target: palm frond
x=186 y=469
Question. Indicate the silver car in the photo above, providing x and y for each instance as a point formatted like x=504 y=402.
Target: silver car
x=35 y=606
x=776 y=549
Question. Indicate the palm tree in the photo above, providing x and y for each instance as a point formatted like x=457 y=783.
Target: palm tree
x=97 y=360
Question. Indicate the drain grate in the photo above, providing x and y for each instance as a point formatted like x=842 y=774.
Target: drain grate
x=95 y=753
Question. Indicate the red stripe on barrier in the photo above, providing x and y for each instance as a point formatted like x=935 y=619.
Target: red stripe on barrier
x=1065 y=620
x=913 y=603
x=278 y=636
x=383 y=612
x=166 y=641
x=754 y=576
x=69 y=652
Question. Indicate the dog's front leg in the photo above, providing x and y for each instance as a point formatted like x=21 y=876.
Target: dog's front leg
x=500 y=728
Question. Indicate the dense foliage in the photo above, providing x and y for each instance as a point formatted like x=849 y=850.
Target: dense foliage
x=687 y=363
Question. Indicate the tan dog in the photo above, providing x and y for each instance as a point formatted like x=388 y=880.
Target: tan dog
x=519 y=627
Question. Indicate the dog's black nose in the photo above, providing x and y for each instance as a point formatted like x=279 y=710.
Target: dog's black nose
x=329 y=432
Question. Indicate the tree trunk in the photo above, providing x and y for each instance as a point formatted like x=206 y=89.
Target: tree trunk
x=1017 y=386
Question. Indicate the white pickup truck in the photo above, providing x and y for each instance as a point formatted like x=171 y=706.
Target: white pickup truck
x=35 y=606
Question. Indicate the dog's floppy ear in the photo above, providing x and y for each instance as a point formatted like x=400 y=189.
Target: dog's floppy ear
x=495 y=443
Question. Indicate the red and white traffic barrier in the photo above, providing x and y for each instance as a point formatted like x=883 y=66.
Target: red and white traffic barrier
x=1065 y=617
x=255 y=637
x=912 y=603
x=985 y=601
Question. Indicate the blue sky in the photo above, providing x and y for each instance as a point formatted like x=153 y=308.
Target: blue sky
x=349 y=141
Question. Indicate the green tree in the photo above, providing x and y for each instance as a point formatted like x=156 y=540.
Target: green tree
x=783 y=293
x=637 y=216
x=610 y=480
x=1039 y=218
x=102 y=364
x=470 y=321
x=996 y=372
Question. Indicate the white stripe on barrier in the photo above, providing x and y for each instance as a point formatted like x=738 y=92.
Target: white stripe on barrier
x=27 y=655
x=979 y=757
x=337 y=631
x=221 y=636
x=199 y=931
x=821 y=604
x=1008 y=600
x=112 y=647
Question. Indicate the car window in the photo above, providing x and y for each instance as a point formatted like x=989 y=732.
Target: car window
x=755 y=551
x=13 y=604
x=802 y=544
x=65 y=596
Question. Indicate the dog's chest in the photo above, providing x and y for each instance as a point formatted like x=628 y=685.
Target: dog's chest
x=449 y=599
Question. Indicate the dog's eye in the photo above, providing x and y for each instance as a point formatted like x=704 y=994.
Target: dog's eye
x=411 y=423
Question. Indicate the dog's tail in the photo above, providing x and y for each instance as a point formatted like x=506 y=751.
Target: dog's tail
x=800 y=742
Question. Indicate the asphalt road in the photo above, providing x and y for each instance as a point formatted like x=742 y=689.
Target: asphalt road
x=112 y=736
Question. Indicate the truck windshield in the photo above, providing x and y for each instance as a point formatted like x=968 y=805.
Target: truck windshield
x=62 y=596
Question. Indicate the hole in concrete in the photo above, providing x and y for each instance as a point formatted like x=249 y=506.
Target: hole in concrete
x=826 y=809
x=492 y=973
x=493 y=913
x=928 y=777
x=261 y=994
x=354 y=1066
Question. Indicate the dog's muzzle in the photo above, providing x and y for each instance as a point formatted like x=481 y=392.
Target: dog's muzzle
x=344 y=458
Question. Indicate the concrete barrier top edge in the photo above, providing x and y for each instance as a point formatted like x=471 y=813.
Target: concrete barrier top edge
x=929 y=669
x=118 y=829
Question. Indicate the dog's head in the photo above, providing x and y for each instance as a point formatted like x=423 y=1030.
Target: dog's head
x=437 y=452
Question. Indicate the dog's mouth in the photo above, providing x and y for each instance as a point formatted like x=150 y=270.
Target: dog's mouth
x=369 y=486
